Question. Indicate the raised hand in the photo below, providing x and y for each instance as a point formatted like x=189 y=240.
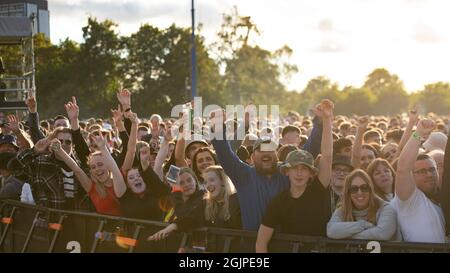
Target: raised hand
x=13 y=123
x=116 y=114
x=326 y=108
x=31 y=102
x=168 y=134
x=72 y=109
x=131 y=116
x=124 y=97
x=144 y=155
x=99 y=141
x=413 y=115
x=55 y=148
x=363 y=122
x=42 y=146
x=425 y=127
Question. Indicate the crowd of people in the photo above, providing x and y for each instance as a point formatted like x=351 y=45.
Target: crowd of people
x=344 y=177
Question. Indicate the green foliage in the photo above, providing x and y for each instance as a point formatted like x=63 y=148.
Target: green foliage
x=155 y=65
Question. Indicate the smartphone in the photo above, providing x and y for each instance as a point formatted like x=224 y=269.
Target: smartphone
x=172 y=174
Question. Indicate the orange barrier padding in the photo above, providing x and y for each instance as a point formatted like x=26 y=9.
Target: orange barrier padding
x=55 y=226
x=7 y=220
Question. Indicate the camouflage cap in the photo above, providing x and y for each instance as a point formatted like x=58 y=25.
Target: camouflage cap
x=299 y=157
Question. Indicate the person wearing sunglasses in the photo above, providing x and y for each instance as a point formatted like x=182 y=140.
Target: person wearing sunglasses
x=362 y=214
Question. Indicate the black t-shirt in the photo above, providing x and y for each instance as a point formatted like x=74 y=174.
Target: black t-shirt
x=146 y=207
x=306 y=215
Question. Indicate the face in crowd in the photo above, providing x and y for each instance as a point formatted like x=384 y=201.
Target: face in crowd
x=367 y=156
x=135 y=182
x=359 y=191
x=204 y=160
x=292 y=138
x=299 y=175
x=383 y=177
x=389 y=151
x=338 y=175
x=265 y=161
x=214 y=184
x=66 y=141
x=426 y=175
x=187 y=183
x=99 y=172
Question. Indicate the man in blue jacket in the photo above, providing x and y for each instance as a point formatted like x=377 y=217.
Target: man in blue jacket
x=257 y=186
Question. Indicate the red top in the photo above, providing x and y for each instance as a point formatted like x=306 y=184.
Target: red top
x=109 y=205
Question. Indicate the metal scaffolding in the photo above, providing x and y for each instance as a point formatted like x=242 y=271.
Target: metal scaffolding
x=19 y=79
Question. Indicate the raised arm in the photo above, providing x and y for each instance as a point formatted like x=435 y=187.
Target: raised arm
x=180 y=153
x=237 y=170
x=357 y=145
x=33 y=118
x=445 y=187
x=404 y=180
x=81 y=147
x=162 y=154
x=118 y=182
x=131 y=147
x=325 y=111
x=124 y=98
x=23 y=142
x=313 y=145
x=413 y=118
x=85 y=181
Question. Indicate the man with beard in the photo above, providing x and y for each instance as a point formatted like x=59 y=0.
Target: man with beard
x=258 y=185
x=416 y=191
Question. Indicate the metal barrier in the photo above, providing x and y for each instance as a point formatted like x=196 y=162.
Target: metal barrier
x=27 y=228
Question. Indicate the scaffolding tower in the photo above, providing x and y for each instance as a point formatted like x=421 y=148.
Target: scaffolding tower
x=17 y=81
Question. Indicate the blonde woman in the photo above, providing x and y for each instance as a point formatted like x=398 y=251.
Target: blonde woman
x=219 y=207
x=106 y=182
x=362 y=214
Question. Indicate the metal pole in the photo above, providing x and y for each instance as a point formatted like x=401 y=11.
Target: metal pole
x=193 y=55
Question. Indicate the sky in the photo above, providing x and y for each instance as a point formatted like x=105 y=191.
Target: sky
x=343 y=40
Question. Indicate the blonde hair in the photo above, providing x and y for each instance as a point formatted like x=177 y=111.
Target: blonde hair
x=100 y=187
x=347 y=204
x=213 y=210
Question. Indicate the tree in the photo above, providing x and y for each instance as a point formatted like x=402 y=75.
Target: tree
x=357 y=101
x=435 y=98
x=388 y=88
x=99 y=63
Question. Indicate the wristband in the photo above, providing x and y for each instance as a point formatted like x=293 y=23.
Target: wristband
x=415 y=135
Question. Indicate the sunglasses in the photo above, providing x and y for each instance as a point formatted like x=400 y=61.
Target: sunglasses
x=65 y=141
x=363 y=188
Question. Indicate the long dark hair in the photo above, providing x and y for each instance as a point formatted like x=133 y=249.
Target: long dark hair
x=194 y=160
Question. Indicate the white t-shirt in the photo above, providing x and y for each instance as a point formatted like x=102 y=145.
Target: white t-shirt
x=420 y=219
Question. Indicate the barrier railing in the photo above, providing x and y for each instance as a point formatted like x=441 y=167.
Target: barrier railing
x=28 y=228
